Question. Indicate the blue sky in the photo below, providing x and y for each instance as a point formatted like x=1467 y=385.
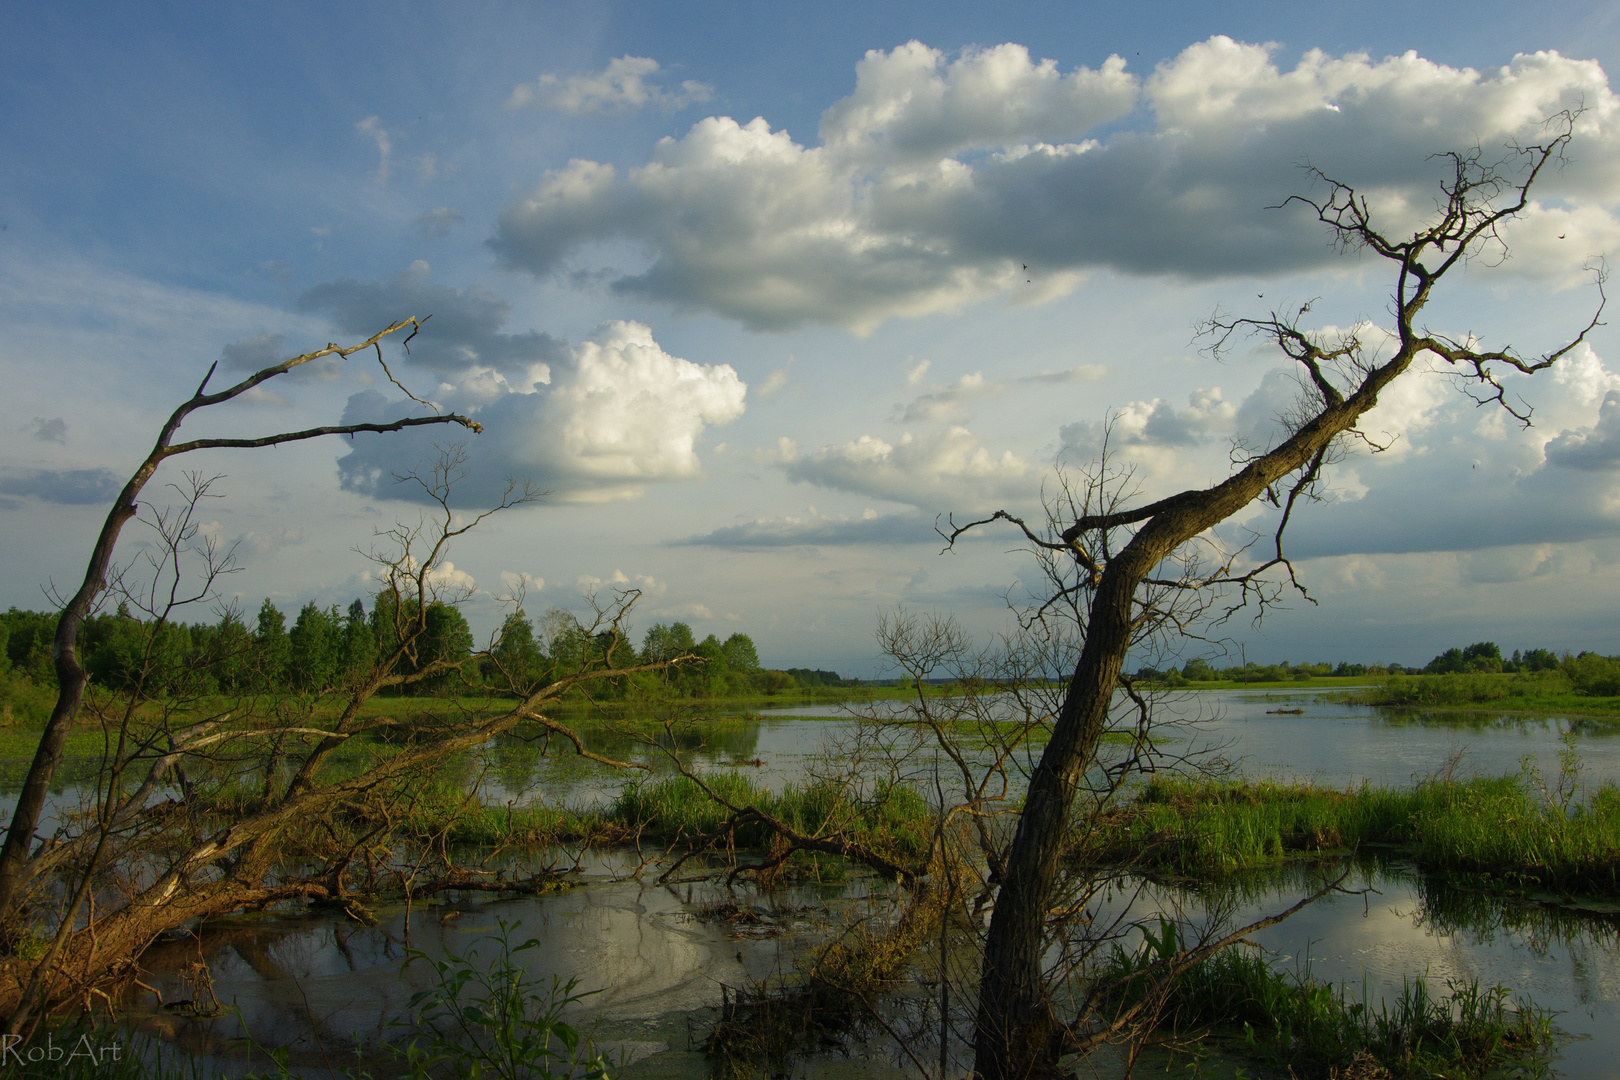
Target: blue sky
x=745 y=288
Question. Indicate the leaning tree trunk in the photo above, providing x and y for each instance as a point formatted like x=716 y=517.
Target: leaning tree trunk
x=1016 y=1034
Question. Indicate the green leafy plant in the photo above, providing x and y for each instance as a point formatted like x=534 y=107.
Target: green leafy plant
x=476 y=1020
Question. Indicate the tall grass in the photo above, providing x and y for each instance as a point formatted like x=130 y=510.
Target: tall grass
x=892 y=816
x=1314 y=1029
x=1512 y=827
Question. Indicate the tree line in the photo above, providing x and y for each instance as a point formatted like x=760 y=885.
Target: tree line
x=323 y=648
x=1588 y=672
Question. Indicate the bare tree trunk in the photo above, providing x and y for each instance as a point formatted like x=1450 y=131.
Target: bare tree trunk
x=1016 y=1033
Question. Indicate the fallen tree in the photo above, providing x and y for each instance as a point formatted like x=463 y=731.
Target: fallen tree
x=198 y=796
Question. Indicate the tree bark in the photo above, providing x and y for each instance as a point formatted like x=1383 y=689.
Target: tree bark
x=1016 y=1034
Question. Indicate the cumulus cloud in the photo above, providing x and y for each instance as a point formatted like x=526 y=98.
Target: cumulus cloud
x=1455 y=491
x=622 y=86
x=939 y=182
x=1590 y=449
x=465 y=331
x=1155 y=423
x=618 y=413
x=67 y=487
x=949 y=469
x=944 y=403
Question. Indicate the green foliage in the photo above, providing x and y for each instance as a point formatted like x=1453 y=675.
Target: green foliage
x=326 y=648
x=1518 y=828
x=28 y=644
x=664 y=643
x=1482 y=656
x=740 y=655
x=495 y=1019
x=1312 y=1029
x=1593 y=675
x=517 y=660
x=892 y=817
x=315 y=648
x=271 y=646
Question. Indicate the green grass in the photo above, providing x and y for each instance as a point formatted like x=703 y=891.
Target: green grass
x=1505 y=827
x=1310 y=1028
x=1534 y=692
x=893 y=817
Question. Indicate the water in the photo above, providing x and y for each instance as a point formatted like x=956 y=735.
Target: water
x=657 y=963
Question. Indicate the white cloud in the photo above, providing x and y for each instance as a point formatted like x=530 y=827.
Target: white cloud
x=773 y=383
x=1592 y=449
x=1155 y=423
x=912 y=104
x=618 y=413
x=1456 y=491
x=649 y=585
x=622 y=86
x=818 y=530
x=941 y=182
x=372 y=126
x=684 y=611
x=945 y=470
x=446 y=578
x=517 y=582
x=944 y=403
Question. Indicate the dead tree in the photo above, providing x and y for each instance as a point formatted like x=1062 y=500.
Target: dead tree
x=70 y=676
x=1123 y=558
x=134 y=864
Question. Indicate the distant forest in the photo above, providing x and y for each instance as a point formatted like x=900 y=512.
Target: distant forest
x=324 y=647
x=1588 y=672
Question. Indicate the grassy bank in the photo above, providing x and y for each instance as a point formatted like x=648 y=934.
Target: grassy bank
x=1309 y=1028
x=1533 y=692
x=1504 y=827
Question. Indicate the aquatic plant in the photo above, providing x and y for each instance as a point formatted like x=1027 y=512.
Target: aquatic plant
x=1311 y=1028
x=497 y=1020
x=1516 y=828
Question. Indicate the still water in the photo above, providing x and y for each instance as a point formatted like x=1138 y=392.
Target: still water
x=656 y=958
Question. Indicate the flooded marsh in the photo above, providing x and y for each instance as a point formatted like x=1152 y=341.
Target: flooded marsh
x=663 y=962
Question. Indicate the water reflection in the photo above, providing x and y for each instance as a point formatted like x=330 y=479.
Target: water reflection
x=1407 y=924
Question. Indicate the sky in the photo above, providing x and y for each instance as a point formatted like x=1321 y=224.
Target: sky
x=760 y=294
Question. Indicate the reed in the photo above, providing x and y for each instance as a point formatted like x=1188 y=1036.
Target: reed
x=892 y=816
x=1311 y=1028
x=1513 y=828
